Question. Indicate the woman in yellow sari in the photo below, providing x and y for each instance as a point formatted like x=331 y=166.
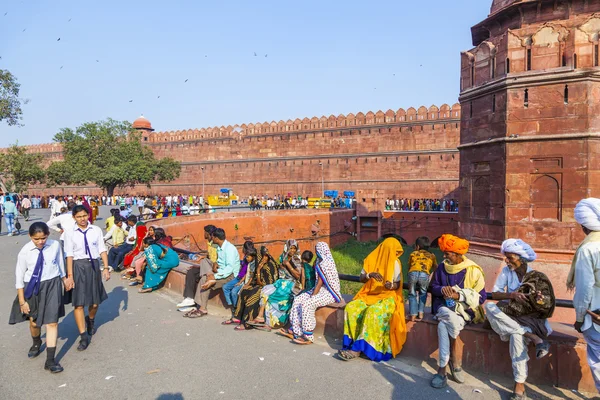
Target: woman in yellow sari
x=374 y=322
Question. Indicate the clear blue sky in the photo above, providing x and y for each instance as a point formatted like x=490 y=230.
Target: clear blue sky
x=324 y=57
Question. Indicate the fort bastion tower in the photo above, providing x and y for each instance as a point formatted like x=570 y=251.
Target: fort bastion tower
x=530 y=125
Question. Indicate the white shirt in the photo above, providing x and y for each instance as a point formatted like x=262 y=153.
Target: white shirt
x=75 y=244
x=57 y=206
x=131 y=235
x=508 y=280
x=587 y=283
x=54 y=263
x=66 y=222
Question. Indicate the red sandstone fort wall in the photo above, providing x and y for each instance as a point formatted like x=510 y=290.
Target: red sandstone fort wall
x=265 y=227
x=378 y=155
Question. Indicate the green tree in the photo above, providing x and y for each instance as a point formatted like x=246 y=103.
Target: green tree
x=110 y=154
x=19 y=169
x=10 y=103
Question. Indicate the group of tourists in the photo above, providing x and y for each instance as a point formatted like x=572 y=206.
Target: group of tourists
x=267 y=292
x=439 y=205
x=263 y=291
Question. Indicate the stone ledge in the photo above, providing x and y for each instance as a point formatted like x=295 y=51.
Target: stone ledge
x=566 y=365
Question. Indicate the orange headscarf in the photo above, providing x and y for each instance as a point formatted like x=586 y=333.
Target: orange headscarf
x=453 y=244
x=383 y=260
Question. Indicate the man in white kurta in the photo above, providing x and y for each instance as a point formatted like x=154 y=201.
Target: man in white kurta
x=584 y=277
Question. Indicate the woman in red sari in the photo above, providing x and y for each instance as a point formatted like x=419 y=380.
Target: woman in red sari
x=142 y=231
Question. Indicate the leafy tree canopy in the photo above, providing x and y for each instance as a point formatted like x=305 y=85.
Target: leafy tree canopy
x=110 y=154
x=20 y=169
x=10 y=103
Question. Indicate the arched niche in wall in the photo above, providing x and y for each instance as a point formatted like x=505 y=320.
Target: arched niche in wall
x=545 y=197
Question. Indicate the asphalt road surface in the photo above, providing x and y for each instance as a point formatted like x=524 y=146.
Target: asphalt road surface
x=144 y=349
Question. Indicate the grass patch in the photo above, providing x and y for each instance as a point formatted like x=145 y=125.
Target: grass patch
x=349 y=259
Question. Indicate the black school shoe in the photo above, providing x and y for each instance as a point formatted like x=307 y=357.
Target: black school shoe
x=34 y=350
x=89 y=324
x=54 y=368
x=83 y=343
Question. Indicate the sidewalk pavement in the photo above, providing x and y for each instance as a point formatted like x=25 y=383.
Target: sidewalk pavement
x=144 y=349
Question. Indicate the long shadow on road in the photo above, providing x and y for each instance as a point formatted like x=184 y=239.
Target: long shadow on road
x=107 y=312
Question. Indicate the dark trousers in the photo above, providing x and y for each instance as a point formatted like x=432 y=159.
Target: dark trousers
x=117 y=254
x=191 y=282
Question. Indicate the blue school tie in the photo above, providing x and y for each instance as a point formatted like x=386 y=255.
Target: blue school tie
x=87 y=247
x=33 y=287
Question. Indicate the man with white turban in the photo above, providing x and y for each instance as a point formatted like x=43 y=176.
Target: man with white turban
x=518 y=256
x=584 y=278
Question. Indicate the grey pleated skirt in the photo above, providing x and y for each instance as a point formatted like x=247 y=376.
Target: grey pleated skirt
x=46 y=307
x=89 y=289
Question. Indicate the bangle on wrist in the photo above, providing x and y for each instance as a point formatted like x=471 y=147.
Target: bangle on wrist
x=23 y=304
x=368 y=276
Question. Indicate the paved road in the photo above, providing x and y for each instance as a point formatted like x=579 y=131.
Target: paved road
x=144 y=349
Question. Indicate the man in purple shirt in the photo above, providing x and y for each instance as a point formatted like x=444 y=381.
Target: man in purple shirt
x=457 y=291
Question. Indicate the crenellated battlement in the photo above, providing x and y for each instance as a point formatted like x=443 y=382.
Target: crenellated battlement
x=399 y=117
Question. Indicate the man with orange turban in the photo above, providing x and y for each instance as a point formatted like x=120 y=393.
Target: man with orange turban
x=458 y=291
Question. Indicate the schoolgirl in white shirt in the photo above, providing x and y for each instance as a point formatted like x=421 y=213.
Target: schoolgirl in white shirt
x=40 y=276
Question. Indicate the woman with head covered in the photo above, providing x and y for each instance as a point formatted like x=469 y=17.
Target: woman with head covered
x=458 y=290
x=527 y=300
x=584 y=278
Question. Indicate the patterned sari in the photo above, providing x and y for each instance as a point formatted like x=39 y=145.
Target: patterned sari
x=160 y=260
x=374 y=321
x=248 y=304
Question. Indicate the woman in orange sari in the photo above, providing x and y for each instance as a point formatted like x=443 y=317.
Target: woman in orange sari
x=374 y=322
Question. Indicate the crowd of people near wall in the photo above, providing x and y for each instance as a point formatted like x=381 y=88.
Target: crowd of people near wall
x=289 y=202
x=155 y=207
x=438 y=205
x=265 y=291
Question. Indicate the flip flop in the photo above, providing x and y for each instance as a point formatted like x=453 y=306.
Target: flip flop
x=516 y=396
x=260 y=327
x=134 y=283
x=230 y=321
x=542 y=350
x=346 y=355
x=145 y=290
x=284 y=332
x=302 y=341
x=240 y=327
x=196 y=314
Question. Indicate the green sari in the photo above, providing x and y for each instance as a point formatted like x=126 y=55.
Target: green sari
x=158 y=265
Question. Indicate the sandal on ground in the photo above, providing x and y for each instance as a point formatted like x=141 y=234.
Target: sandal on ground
x=542 y=350
x=302 y=341
x=231 y=321
x=257 y=321
x=457 y=373
x=286 y=332
x=195 y=314
x=439 y=382
x=134 y=283
x=260 y=327
x=187 y=314
x=240 y=327
x=145 y=290
x=516 y=396
x=347 y=355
